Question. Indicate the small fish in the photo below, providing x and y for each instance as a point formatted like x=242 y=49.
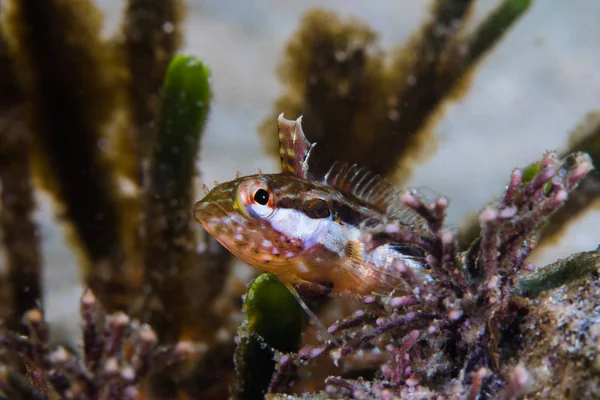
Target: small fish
x=308 y=230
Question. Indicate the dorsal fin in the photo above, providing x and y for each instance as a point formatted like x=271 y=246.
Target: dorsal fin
x=371 y=188
x=294 y=148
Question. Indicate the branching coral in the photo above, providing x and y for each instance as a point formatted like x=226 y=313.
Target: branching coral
x=457 y=326
x=585 y=137
x=117 y=355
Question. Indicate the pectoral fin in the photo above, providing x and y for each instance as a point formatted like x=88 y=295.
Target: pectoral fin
x=313 y=318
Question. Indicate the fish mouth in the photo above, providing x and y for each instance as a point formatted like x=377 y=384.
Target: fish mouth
x=221 y=221
x=240 y=236
x=214 y=217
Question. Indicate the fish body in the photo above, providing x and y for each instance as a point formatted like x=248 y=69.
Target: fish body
x=305 y=232
x=309 y=230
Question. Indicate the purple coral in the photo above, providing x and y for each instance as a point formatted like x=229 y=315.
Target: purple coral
x=453 y=325
x=117 y=355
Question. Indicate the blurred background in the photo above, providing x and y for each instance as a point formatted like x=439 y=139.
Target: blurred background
x=528 y=94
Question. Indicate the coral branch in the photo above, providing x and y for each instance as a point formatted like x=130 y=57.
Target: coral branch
x=512 y=188
x=585 y=137
x=386 y=327
x=507 y=231
x=332 y=380
x=93 y=344
x=114 y=371
x=437 y=242
x=491 y=224
x=472 y=302
x=358 y=318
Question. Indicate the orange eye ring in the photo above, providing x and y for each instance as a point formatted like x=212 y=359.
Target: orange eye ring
x=255 y=199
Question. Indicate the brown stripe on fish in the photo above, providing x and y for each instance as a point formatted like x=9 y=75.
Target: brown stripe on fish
x=316 y=208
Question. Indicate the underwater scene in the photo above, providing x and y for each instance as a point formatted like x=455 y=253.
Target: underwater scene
x=327 y=199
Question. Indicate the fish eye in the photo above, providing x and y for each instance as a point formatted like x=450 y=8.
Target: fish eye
x=261 y=196
x=255 y=199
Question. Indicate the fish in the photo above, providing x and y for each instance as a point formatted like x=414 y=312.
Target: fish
x=308 y=229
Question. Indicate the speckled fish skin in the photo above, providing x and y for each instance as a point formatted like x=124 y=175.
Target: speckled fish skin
x=308 y=230
x=308 y=236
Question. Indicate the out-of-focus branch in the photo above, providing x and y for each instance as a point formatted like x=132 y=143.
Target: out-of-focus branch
x=360 y=109
x=170 y=253
x=63 y=67
x=151 y=36
x=421 y=84
x=494 y=27
x=19 y=232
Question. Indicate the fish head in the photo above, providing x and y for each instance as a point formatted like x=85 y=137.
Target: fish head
x=267 y=220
